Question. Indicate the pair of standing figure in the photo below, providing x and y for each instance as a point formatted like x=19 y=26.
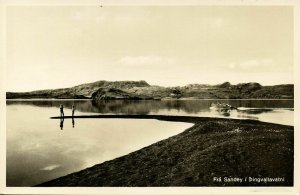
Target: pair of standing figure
x=62 y=115
x=62 y=110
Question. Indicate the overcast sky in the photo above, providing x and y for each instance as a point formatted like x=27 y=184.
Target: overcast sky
x=55 y=47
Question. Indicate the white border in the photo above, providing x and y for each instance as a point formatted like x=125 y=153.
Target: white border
x=149 y=190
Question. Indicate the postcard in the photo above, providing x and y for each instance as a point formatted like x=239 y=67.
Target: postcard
x=130 y=97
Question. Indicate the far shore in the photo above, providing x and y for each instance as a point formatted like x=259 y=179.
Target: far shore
x=203 y=155
x=163 y=99
x=141 y=90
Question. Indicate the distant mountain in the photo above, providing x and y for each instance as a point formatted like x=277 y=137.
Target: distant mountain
x=141 y=90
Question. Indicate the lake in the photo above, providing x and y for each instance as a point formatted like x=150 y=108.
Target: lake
x=40 y=149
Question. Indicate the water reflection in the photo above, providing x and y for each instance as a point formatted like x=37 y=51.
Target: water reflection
x=37 y=150
x=147 y=107
x=61 y=123
x=246 y=116
x=73 y=122
x=35 y=142
x=225 y=113
x=256 y=111
x=264 y=110
x=221 y=112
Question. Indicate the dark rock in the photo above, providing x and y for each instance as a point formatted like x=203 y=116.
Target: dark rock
x=249 y=86
x=116 y=94
x=225 y=85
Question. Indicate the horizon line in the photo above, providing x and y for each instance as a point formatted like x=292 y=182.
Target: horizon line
x=75 y=85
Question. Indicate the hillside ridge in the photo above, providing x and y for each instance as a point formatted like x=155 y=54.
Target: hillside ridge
x=141 y=90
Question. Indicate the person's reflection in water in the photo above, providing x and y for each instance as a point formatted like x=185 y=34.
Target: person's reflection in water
x=73 y=122
x=61 y=123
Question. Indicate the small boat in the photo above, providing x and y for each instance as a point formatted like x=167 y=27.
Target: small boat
x=221 y=107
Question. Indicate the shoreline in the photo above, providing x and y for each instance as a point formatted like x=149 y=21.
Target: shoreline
x=202 y=155
x=163 y=99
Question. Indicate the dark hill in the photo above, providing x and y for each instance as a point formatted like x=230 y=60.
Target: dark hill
x=142 y=90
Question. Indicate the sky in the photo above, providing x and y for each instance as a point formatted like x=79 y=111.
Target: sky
x=62 y=46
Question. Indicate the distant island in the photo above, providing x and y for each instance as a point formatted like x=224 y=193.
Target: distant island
x=141 y=90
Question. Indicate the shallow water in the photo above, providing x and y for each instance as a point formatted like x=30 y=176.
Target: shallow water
x=39 y=150
x=274 y=111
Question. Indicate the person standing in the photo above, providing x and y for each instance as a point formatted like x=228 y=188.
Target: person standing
x=73 y=110
x=62 y=111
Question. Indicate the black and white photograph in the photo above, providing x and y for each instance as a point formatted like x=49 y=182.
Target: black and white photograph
x=119 y=95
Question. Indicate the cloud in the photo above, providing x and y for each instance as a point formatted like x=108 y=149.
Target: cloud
x=145 y=60
x=251 y=64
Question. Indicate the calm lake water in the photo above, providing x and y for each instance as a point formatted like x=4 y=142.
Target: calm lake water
x=39 y=150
